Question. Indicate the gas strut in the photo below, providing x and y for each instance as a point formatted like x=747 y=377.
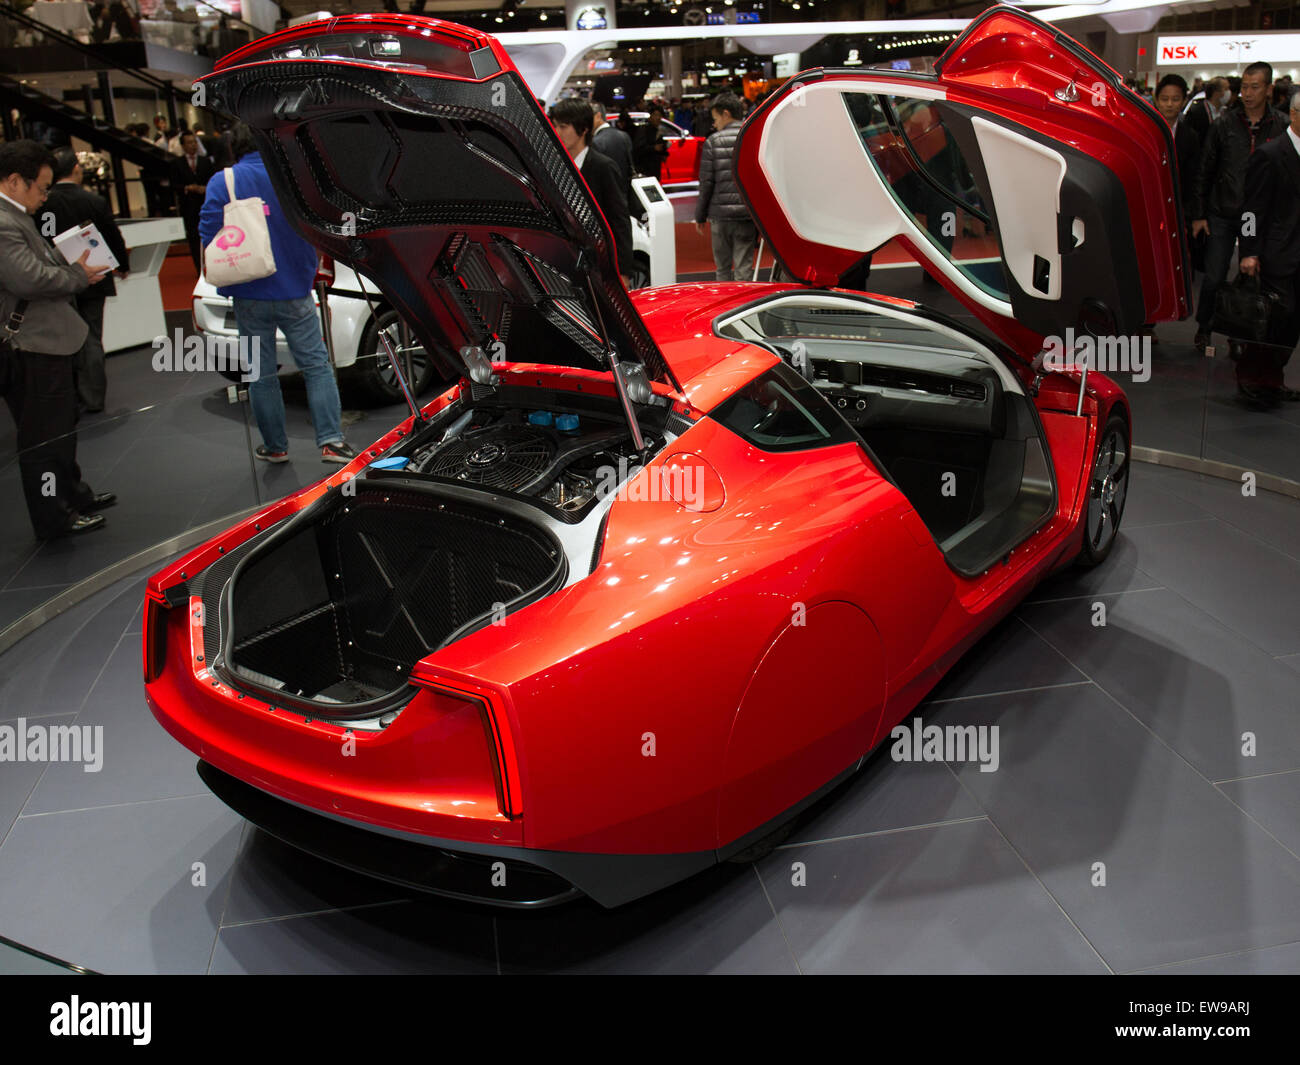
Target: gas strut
x=620 y=385
x=393 y=361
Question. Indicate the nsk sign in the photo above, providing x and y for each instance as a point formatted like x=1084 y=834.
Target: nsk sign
x=1236 y=51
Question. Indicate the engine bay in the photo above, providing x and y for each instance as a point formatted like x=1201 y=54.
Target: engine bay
x=561 y=455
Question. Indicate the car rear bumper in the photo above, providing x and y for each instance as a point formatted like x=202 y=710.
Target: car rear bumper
x=509 y=877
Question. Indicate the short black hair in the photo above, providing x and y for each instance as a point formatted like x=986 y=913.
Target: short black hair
x=730 y=103
x=1172 y=79
x=1259 y=68
x=576 y=113
x=655 y=109
x=65 y=162
x=24 y=158
x=241 y=141
x=1234 y=85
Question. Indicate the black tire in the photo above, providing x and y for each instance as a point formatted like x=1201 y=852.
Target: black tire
x=371 y=377
x=1107 y=491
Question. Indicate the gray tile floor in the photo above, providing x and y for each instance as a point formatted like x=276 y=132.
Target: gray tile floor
x=1161 y=748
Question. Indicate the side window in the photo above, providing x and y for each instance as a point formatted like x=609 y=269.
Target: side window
x=780 y=411
x=911 y=146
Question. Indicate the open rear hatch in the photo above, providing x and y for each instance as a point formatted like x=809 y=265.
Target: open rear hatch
x=412 y=150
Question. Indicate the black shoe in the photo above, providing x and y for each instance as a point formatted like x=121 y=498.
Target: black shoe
x=1257 y=398
x=1202 y=340
x=79 y=523
x=99 y=501
x=1286 y=395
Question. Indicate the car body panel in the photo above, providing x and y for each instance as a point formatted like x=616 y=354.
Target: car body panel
x=683 y=163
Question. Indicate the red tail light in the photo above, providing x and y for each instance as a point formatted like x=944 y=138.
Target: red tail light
x=500 y=749
x=324 y=271
x=154 y=638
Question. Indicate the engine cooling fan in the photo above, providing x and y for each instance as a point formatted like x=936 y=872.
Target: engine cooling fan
x=510 y=457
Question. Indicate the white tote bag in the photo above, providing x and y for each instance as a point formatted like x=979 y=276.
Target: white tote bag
x=241 y=251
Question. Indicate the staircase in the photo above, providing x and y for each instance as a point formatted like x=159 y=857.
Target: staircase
x=96 y=132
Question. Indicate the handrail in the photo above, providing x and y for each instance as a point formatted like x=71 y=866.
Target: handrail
x=235 y=18
x=65 y=38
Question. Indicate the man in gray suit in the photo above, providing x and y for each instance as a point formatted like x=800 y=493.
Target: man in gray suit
x=40 y=336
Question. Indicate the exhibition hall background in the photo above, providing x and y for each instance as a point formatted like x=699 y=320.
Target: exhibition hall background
x=1217 y=566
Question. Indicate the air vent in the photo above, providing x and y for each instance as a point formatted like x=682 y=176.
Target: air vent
x=506 y=457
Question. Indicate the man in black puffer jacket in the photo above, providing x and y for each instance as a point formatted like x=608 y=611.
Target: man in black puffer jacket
x=733 y=231
x=1220 y=184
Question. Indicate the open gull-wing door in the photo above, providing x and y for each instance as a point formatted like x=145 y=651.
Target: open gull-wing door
x=411 y=149
x=1022 y=174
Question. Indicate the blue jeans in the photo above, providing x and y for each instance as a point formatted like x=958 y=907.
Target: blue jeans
x=1221 y=244
x=299 y=321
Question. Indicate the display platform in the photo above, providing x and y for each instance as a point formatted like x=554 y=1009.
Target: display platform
x=1144 y=814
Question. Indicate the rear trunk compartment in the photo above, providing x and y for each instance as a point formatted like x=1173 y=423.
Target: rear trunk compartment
x=330 y=613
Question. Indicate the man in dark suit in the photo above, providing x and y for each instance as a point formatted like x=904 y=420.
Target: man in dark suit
x=649 y=148
x=69 y=205
x=40 y=333
x=613 y=142
x=1171 y=95
x=190 y=175
x=573 y=121
x=1235 y=136
x=1204 y=112
x=1270 y=249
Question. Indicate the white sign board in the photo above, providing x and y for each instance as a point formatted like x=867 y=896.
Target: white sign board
x=1237 y=49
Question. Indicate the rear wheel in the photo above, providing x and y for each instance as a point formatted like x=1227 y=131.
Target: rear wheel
x=1107 y=490
x=372 y=377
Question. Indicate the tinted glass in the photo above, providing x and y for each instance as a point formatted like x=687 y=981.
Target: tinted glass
x=780 y=411
x=915 y=153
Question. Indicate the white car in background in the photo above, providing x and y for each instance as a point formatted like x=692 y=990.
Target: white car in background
x=364 y=372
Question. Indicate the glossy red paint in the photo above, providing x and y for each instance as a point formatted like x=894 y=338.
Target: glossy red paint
x=718 y=665
x=683 y=163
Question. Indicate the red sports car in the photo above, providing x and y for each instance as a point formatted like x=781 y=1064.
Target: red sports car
x=683 y=163
x=663 y=567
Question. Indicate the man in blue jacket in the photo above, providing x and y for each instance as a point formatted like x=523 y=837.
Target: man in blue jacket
x=281 y=301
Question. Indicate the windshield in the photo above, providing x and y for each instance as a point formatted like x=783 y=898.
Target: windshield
x=807 y=320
